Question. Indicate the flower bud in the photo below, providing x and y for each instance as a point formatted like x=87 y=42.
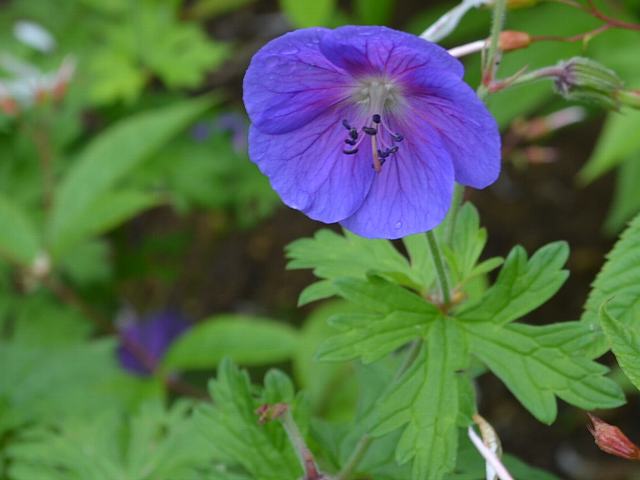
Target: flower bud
x=610 y=439
x=583 y=79
x=513 y=40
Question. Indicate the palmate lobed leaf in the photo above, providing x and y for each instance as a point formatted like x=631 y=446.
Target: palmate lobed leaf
x=463 y=249
x=391 y=317
x=539 y=363
x=151 y=443
x=232 y=429
x=625 y=343
x=425 y=404
x=618 y=284
x=332 y=256
x=522 y=285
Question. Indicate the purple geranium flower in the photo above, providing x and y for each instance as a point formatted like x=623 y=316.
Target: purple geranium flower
x=367 y=126
x=144 y=342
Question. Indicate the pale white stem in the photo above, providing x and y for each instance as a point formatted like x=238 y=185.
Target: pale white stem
x=468 y=48
x=489 y=456
x=449 y=21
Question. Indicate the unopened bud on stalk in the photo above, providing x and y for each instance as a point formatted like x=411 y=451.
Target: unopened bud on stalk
x=513 y=40
x=610 y=439
x=583 y=79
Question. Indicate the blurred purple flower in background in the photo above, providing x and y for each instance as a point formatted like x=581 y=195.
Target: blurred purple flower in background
x=233 y=123
x=367 y=126
x=143 y=342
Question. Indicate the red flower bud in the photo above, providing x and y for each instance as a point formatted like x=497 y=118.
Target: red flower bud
x=513 y=40
x=610 y=439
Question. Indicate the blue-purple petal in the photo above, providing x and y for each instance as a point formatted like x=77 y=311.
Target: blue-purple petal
x=411 y=194
x=144 y=342
x=310 y=172
x=290 y=82
x=468 y=130
x=375 y=50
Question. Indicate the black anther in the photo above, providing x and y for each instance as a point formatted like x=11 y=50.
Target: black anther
x=376 y=118
x=393 y=149
x=346 y=125
x=348 y=141
x=369 y=130
x=383 y=153
x=353 y=133
x=350 y=152
x=397 y=137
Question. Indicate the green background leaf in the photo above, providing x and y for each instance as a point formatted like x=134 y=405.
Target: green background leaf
x=246 y=340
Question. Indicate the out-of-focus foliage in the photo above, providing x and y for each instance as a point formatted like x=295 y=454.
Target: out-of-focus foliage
x=109 y=186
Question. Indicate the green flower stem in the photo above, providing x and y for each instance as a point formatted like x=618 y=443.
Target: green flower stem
x=305 y=456
x=458 y=196
x=356 y=457
x=439 y=264
x=489 y=63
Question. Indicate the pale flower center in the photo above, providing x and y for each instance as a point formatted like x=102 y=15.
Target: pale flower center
x=376 y=97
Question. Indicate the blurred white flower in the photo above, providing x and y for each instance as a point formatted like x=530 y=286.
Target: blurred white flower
x=28 y=85
x=34 y=35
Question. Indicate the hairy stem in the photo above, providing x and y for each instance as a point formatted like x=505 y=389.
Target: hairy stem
x=489 y=64
x=458 y=197
x=438 y=263
x=305 y=456
x=356 y=457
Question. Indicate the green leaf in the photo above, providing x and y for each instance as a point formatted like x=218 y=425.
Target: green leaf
x=178 y=52
x=104 y=213
x=618 y=141
x=466 y=245
x=618 y=284
x=626 y=201
x=522 y=285
x=246 y=340
x=391 y=317
x=108 y=158
x=421 y=262
x=329 y=386
x=539 y=363
x=152 y=443
x=625 y=343
x=231 y=427
x=19 y=240
x=332 y=256
x=308 y=13
x=56 y=383
x=425 y=402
